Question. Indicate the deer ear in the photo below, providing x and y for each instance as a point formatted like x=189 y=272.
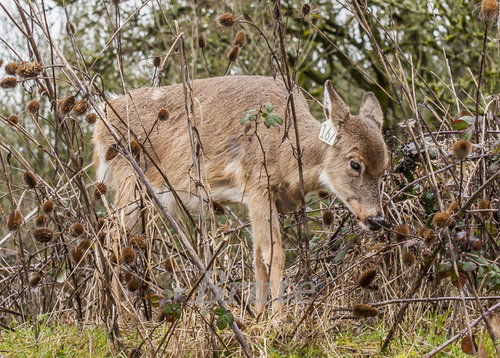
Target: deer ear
x=334 y=106
x=370 y=108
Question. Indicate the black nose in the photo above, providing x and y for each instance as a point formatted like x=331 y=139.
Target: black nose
x=376 y=223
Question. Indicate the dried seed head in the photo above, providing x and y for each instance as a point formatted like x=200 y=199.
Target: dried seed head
x=323 y=194
x=466 y=344
x=11 y=68
x=90 y=118
x=30 y=179
x=1 y=62
x=111 y=153
x=100 y=190
x=168 y=264
x=202 y=43
x=227 y=19
x=306 y=9
x=29 y=69
x=367 y=278
x=134 y=284
x=429 y=236
x=67 y=104
x=409 y=258
x=48 y=206
x=33 y=106
x=461 y=149
x=401 y=232
x=218 y=208
x=13 y=119
x=362 y=310
x=489 y=10
x=128 y=255
x=77 y=230
x=163 y=114
x=70 y=29
x=41 y=220
x=43 y=234
x=233 y=54
x=77 y=254
x=441 y=219
x=85 y=244
x=453 y=208
x=81 y=107
x=484 y=204
x=139 y=243
x=8 y=82
x=157 y=61
x=14 y=220
x=240 y=38
x=327 y=218
x=135 y=147
x=35 y=280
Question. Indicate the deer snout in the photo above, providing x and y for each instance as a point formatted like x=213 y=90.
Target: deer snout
x=376 y=223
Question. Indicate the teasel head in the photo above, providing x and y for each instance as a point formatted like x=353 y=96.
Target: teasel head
x=77 y=255
x=240 y=38
x=100 y=190
x=441 y=219
x=135 y=148
x=35 y=280
x=48 y=206
x=401 y=232
x=139 y=243
x=134 y=283
x=428 y=236
x=328 y=218
x=453 y=208
x=41 y=220
x=163 y=114
x=11 y=68
x=323 y=194
x=367 y=277
x=233 y=54
x=489 y=10
x=30 y=179
x=156 y=61
x=8 y=82
x=90 y=118
x=43 y=234
x=111 y=153
x=228 y=19
x=77 y=230
x=306 y=9
x=85 y=244
x=484 y=204
x=14 y=220
x=67 y=104
x=81 y=107
x=13 y=119
x=168 y=264
x=362 y=310
x=218 y=208
x=202 y=43
x=29 y=69
x=33 y=106
x=461 y=149
x=409 y=258
x=128 y=255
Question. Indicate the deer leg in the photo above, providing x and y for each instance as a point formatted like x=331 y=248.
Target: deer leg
x=269 y=258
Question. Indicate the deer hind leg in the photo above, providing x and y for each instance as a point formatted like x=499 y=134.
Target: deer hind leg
x=269 y=258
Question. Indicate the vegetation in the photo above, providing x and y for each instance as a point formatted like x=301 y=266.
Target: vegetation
x=417 y=289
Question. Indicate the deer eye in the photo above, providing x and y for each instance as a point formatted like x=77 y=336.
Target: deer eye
x=355 y=165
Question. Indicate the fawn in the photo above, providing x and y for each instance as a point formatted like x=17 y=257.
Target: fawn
x=346 y=155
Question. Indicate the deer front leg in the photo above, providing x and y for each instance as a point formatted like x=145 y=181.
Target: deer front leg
x=269 y=258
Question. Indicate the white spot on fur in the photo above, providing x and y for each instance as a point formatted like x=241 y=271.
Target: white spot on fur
x=157 y=94
x=103 y=172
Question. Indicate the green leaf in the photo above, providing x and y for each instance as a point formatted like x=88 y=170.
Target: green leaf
x=468 y=266
x=219 y=311
x=340 y=256
x=225 y=320
x=277 y=119
x=269 y=107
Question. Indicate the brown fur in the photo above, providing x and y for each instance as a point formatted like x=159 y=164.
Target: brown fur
x=231 y=159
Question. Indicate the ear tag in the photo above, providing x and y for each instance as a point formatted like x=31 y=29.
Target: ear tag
x=327 y=133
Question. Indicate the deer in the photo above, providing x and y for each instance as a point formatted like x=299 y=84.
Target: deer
x=346 y=155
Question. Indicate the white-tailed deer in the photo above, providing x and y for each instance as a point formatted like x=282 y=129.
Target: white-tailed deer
x=232 y=159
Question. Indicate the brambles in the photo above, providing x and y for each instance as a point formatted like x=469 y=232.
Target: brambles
x=227 y=19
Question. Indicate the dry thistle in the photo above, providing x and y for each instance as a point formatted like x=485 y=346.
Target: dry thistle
x=85 y=244
x=128 y=255
x=409 y=258
x=43 y=234
x=33 y=106
x=484 y=204
x=156 y=61
x=228 y=19
x=429 y=236
x=401 y=232
x=41 y=220
x=90 y=118
x=67 y=104
x=100 y=190
x=461 y=149
x=11 y=68
x=111 y=153
x=29 y=69
x=453 y=208
x=13 y=119
x=134 y=284
x=367 y=278
x=30 y=179
x=35 y=280
x=77 y=230
x=202 y=43
x=135 y=147
x=139 y=243
x=77 y=254
x=48 y=206
x=81 y=107
x=233 y=54
x=306 y=9
x=327 y=218
x=14 y=220
x=323 y=194
x=362 y=310
x=8 y=82
x=489 y=10
x=441 y=219
x=163 y=114
x=240 y=38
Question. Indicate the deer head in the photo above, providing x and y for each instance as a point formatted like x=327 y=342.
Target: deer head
x=357 y=158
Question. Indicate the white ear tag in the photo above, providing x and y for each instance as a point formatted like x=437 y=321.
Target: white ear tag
x=328 y=133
